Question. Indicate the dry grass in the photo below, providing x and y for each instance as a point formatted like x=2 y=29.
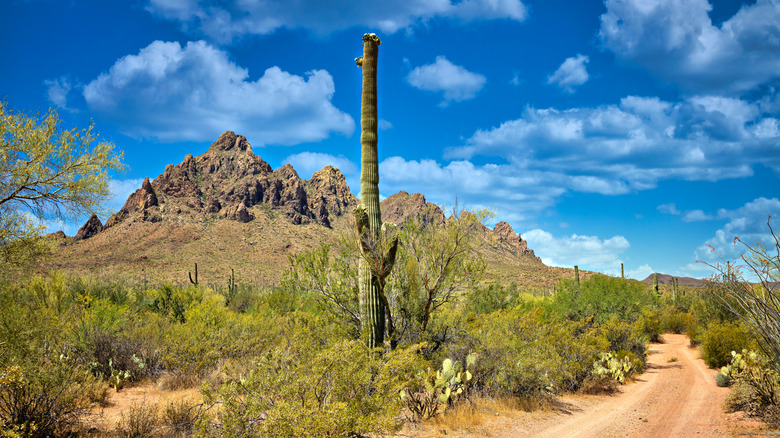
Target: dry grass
x=481 y=417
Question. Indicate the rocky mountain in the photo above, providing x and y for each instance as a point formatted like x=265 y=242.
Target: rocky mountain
x=227 y=181
x=230 y=208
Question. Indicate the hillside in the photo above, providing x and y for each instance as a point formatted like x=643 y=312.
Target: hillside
x=681 y=281
x=228 y=209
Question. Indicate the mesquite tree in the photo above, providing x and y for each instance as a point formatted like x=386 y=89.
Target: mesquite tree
x=377 y=242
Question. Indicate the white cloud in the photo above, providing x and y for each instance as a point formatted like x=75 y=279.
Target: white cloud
x=196 y=92
x=454 y=81
x=57 y=91
x=748 y=222
x=669 y=209
x=588 y=252
x=571 y=74
x=226 y=20
x=500 y=187
x=640 y=273
x=696 y=216
x=676 y=40
x=306 y=163
x=614 y=149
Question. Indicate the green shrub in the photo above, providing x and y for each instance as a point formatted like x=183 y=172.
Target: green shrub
x=600 y=296
x=47 y=400
x=676 y=321
x=304 y=391
x=649 y=324
x=720 y=340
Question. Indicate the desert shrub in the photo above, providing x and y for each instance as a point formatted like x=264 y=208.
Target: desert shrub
x=490 y=298
x=525 y=355
x=181 y=416
x=720 y=340
x=600 y=296
x=139 y=421
x=46 y=400
x=305 y=391
x=173 y=302
x=675 y=321
x=626 y=338
x=648 y=323
x=722 y=380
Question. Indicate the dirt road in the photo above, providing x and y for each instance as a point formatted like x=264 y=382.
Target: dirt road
x=675 y=397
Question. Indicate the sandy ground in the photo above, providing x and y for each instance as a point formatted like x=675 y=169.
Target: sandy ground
x=676 y=397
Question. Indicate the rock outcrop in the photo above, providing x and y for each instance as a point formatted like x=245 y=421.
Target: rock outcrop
x=505 y=232
x=90 y=228
x=402 y=206
x=228 y=180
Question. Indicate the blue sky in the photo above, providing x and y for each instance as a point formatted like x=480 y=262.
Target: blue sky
x=635 y=131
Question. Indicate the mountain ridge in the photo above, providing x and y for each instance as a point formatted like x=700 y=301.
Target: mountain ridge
x=229 y=207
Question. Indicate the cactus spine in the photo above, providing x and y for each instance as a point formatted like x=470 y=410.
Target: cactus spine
x=368 y=218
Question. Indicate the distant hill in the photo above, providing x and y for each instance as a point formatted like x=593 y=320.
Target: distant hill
x=228 y=209
x=682 y=281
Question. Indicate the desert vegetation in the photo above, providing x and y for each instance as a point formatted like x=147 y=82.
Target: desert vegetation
x=387 y=325
x=290 y=361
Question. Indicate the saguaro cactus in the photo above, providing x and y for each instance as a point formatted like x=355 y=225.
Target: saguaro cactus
x=377 y=256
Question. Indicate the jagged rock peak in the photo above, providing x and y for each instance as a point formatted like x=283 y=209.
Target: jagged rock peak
x=402 y=206
x=228 y=140
x=506 y=233
x=90 y=228
x=142 y=198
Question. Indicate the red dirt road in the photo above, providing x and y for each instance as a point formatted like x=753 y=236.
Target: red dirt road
x=673 y=398
x=676 y=397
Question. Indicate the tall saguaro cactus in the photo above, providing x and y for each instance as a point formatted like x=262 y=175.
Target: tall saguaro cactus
x=377 y=257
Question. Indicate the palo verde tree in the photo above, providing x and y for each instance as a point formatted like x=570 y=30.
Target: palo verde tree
x=47 y=172
x=377 y=242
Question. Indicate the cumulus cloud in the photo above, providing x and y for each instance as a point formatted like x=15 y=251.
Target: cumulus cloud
x=57 y=91
x=748 y=222
x=677 y=40
x=454 y=81
x=571 y=74
x=226 y=20
x=195 y=92
x=588 y=252
x=615 y=149
x=499 y=187
x=306 y=163
x=640 y=273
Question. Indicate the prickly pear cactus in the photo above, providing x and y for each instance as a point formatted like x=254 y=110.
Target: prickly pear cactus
x=452 y=379
x=609 y=365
